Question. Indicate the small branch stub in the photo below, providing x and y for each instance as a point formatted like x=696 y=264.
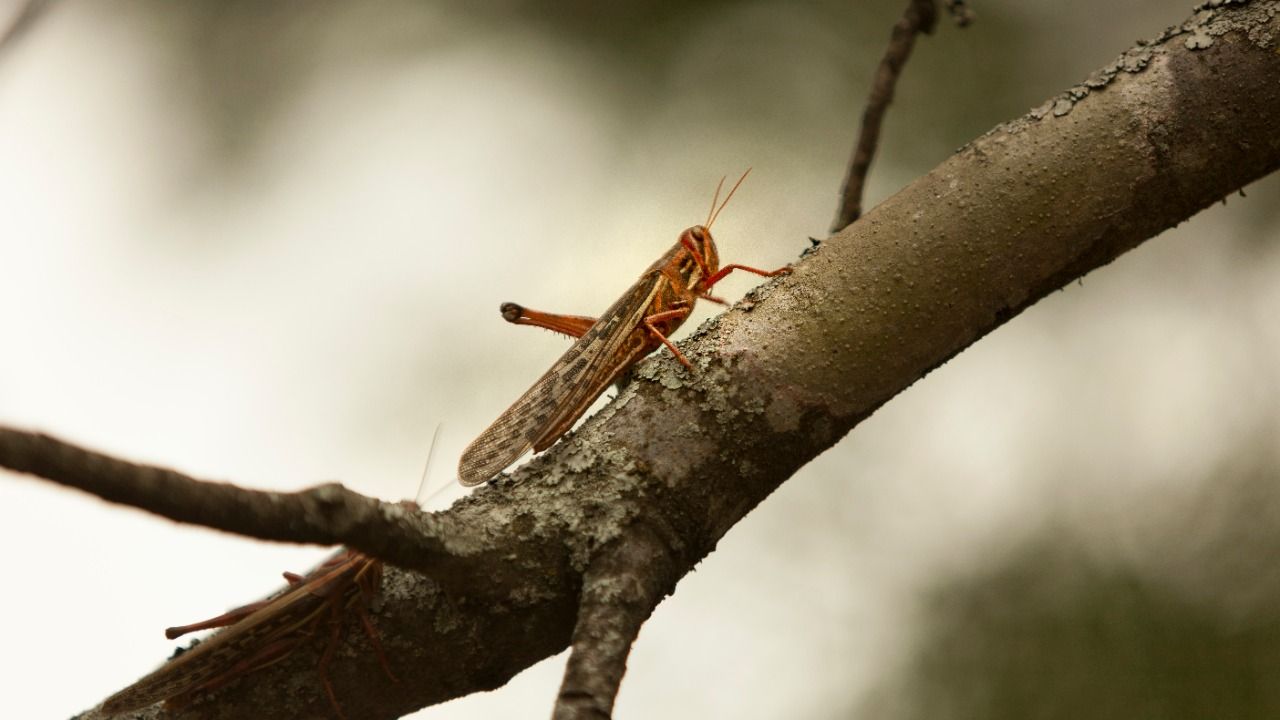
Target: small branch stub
x=625 y=582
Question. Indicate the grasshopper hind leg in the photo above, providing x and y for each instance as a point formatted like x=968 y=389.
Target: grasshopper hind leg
x=575 y=326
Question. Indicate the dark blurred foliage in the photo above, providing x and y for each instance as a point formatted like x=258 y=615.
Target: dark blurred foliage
x=1179 y=620
x=794 y=71
x=242 y=62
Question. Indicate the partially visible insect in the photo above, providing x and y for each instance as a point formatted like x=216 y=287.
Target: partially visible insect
x=265 y=632
x=634 y=326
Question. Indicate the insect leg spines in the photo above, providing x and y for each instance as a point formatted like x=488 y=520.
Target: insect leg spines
x=232 y=617
x=574 y=326
x=259 y=634
x=228 y=618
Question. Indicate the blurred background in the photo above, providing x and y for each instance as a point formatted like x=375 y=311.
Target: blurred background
x=266 y=242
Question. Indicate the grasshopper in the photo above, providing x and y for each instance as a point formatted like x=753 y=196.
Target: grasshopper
x=635 y=325
x=263 y=633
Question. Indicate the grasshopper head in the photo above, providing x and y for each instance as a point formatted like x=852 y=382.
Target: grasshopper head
x=697 y=239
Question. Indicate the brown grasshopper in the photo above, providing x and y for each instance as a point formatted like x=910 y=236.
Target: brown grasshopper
x=265 y=632
x=635 y=325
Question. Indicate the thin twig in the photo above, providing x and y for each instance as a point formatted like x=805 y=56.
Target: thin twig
x=325 y=515
x=22 y=21
x=919 y=17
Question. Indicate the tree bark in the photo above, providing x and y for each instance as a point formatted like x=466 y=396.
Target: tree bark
x=678 y=458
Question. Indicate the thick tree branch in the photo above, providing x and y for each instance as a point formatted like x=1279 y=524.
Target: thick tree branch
x=1170 y=128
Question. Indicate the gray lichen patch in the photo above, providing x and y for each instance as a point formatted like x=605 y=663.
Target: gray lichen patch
x=580 y=458
x=671 y=381
x=1134 y=60
x=1210 y=21
x=1206 y=25
x=1199 y=39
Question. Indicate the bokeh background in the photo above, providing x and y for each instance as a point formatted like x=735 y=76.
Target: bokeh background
x=266 y=242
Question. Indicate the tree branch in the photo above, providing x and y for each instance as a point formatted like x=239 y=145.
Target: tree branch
x=620 y=589
x=920 y=16
x=325 y=515
x=20 y=22
x=1169 y=128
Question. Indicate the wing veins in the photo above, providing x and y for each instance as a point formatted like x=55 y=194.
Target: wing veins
x=559 y=391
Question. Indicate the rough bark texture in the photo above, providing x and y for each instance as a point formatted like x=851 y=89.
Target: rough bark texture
x=625 y=582
x=1169 y=129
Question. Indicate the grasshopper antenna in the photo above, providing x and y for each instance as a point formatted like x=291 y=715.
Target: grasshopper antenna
x=714 y=199
x=426 y=469
x=732 y=190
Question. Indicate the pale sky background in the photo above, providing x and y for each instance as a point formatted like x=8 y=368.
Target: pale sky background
x=268 y=246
